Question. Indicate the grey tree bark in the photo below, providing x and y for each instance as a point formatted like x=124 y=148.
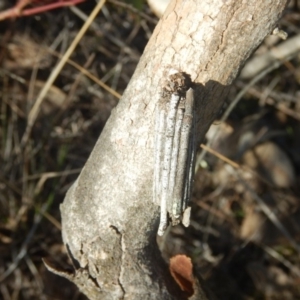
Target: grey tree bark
x=108 y=218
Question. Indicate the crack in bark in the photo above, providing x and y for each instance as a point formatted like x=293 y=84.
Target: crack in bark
x=122 y=259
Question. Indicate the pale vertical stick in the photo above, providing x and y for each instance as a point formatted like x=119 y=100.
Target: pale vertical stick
x=183 y=157
x=190 y=164
x=175 y=153
x=169 y=136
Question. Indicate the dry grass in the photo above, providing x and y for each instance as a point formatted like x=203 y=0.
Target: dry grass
x=245 y=229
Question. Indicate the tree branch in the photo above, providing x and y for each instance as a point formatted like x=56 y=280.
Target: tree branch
x=108 y=217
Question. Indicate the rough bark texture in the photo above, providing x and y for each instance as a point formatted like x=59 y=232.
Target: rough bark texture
x=108 y=218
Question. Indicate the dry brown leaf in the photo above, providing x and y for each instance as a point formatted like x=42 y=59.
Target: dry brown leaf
x=181 y=269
